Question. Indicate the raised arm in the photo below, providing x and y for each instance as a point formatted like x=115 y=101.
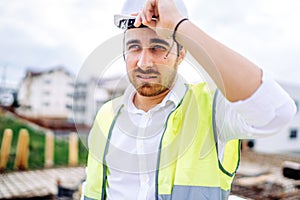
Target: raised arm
x=237 y=77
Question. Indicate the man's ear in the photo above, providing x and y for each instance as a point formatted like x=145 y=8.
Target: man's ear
x=182 y=54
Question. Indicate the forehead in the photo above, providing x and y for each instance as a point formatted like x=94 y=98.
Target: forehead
x=144 y=35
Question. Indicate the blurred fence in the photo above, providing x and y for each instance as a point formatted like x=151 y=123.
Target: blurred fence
x=22 y=150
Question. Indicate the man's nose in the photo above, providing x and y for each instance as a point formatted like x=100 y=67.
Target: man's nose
x=145 y=59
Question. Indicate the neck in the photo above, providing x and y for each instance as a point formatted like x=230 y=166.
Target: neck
x=146 y=103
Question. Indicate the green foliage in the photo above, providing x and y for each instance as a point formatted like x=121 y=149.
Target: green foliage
x=83 y=153
x=37 y=145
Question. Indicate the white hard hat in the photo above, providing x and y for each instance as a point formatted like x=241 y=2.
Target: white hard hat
x=125 y=20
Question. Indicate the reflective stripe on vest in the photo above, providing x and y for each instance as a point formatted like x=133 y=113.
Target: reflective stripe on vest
x=195 y=193
x=188 y=165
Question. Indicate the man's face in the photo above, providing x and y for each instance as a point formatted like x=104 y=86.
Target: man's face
x=151 y=62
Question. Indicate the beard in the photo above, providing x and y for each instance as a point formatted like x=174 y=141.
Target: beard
x=149 y=89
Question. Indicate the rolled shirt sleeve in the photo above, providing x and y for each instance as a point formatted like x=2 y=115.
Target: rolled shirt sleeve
x=266 y=112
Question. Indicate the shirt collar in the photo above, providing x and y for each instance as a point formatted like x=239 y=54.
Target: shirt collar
x=174 y=96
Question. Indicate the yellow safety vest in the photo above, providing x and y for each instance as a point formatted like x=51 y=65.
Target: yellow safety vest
x=188 y=166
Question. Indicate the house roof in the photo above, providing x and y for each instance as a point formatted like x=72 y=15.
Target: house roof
x=39 y=72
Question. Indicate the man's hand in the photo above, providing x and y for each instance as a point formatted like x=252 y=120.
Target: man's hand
x=166 y=14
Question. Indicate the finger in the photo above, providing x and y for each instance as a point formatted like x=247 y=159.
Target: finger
x=134 y=14
x=149 y=15
x=138 y=21
x=143 y=18
x=149 y=9
x=156 y=12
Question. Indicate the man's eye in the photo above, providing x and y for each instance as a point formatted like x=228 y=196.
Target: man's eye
x=133 y=47
x=158 y=48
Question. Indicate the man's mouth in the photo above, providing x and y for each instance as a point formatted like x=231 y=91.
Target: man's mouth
x=146 y=77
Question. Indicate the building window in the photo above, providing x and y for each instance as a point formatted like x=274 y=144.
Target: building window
x=71 y=84
x=79 y=95
x=47 y=81
x=79 y=108
x=69 y=107
x=293 y=134
x=46 y=93
x=69 y=95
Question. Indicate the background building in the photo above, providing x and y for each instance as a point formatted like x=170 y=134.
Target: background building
x=90 y=95
x=46 y=94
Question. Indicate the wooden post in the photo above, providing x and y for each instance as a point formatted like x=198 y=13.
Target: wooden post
x=73 y=149
x=245 y=145
x=49 y=149
x=5 y=148
x=22 y=154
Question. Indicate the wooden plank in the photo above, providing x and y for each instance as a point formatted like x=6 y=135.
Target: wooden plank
x=49 y=149
x=5 y=148
x=73 y=149
x=21 y=161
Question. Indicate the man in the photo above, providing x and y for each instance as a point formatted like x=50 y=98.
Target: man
x=164 y=139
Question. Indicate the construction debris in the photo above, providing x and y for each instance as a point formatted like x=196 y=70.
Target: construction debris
x=291 y=170
x=260 y=177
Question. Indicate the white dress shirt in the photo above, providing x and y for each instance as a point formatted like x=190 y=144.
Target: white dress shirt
x=135 y=139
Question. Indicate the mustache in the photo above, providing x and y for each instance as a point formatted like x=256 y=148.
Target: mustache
x=148 y=71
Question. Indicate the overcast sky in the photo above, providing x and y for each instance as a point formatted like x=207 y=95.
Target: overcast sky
x=41 y=34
